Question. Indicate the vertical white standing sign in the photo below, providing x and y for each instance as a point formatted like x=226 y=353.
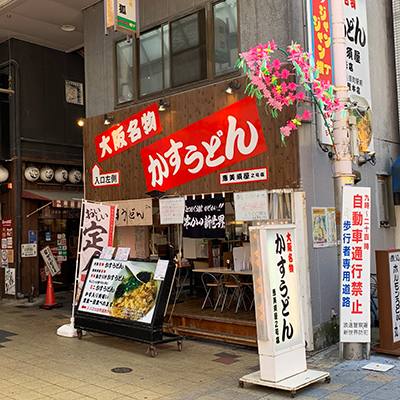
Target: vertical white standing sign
x=277 y=302
x=394 y=263
x=355 y=265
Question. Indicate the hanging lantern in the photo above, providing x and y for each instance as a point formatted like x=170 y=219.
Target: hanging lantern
x=46 y=174
x=32 y=173
x=4 y=174
x=61 y=175
x=74 y=176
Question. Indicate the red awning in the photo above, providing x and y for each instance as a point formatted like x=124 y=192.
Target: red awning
x=59 y=199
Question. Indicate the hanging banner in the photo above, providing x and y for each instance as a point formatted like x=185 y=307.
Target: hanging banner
x=211 y=144
x=251 y=206
x=171 y=210
x=128 y=133
x=97 y=232
x=321 y=39
x=133 y=212
x=204 y=218
x=357 y=66
x=355 y=300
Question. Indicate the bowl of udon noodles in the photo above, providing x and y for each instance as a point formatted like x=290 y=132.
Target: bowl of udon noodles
x=363 y=116
x=135 y=294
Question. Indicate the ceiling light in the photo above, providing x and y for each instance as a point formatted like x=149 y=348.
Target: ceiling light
x=68 y=28
x=108 y=119
x=162 y=104
x=233 y=85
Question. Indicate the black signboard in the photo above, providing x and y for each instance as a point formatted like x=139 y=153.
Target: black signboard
x=204 y=218
x=122 y=298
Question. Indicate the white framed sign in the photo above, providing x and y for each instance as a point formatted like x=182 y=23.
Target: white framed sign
x=29 y=250
x=251 y=206
x=355 y=265
x=172 y=210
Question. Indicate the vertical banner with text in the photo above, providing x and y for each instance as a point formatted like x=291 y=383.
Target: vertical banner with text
x=355 y=265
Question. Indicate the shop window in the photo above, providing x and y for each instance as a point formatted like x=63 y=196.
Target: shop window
x=226 y=51
x=124 y=71
x=188 y=49
x=176 y=53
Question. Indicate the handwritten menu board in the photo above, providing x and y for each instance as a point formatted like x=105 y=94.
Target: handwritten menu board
x=171 y=210
x=251 y=206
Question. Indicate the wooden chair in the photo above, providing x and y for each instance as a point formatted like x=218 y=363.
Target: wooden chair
x=248 y=292
x=211 y=283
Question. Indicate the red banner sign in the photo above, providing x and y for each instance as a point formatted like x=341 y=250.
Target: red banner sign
x=128 y=133
x=211 y=144
x=321 y=38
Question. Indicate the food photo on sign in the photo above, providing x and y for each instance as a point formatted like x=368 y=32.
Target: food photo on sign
x=125 y=290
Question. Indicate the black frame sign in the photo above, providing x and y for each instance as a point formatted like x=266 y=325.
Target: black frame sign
x=122 y=298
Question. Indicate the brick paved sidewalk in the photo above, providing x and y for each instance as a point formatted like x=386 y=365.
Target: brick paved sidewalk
x=36 y=364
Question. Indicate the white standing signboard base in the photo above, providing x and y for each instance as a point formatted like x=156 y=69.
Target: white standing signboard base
x=292 y=384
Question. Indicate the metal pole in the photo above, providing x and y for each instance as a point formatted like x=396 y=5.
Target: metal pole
x=342 y=164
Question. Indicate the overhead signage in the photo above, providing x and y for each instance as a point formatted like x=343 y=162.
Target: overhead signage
x=222 y=139
x=126 y=16
x=133 y=212
x=355 y=302
x=104 y=179
x=128 y=133
x=171 y=210
x=204 y=218
x=358 y=69
x=321 y=39
x=50 y=261
x=243 y=176
x=251 y=206
x=97 y=232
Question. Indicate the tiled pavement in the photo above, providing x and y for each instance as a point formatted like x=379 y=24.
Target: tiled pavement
x=36 y=364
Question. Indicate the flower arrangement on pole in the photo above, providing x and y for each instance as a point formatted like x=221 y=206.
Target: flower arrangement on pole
x=269 y=80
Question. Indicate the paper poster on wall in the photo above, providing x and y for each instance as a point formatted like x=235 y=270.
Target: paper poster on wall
x=251 y=206
x=331 y=226
x=319 y=228
x=171 y=210
x=9 y=281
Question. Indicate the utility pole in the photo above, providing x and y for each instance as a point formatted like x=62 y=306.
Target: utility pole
x=342 y=164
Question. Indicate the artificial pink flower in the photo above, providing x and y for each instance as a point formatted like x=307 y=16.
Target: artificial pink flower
x=276 y=64
x=306 y=114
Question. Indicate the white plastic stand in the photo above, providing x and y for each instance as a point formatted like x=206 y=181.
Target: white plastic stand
x=292 y=384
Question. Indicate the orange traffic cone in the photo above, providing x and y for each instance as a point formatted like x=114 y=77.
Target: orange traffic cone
x=50 y=299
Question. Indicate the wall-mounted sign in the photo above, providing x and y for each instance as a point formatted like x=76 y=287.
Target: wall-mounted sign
x=171 y=210
x=123 y=15
x=4 y=258
x=51 y=263
x=243 y=176
x=7 y=233
x=97 y=232
x=100 y=179
x=358 y=70
x=133 y=212
x=251 y=206
x=29 y=250
x=9 y=281
x=32 y=235
x=74 y=92
x=128 y=133
x=321 y=38
x=394 y=273
x=204 y=218
x=211 y=144
x=355 y=302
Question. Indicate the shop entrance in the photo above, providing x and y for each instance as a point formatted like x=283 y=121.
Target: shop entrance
x=61 y=234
